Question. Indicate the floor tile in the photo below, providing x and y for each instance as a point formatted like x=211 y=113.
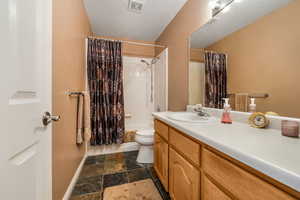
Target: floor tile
x=92 y=170
x=114 y=179
x=132 y=164
x=114 y=166
x=91 y=196
x=88 y=185
x=146 y=165
x=138 y=174
x=97 y=180
x=91 y=160
x=131 y=155
x=109 y=170
x=115 y=156
x=100 y=159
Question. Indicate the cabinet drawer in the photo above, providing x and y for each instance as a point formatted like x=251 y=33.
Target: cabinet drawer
x=212 y=192
x=162 y=129
x=239 y=182
x=185 y=145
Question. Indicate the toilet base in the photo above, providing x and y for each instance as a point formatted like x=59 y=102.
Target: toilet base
x=145 y=154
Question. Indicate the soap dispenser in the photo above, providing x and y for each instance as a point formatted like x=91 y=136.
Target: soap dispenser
x=226 y=119
x=252 y=106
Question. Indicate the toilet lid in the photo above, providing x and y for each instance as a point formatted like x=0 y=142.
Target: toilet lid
x=149 y=132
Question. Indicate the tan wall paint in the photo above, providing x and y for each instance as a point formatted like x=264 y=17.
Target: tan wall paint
x=196 y=83
x=264 y=57
x=70 y=28
x=192 y=16
x=135 y=50
x=197 y=55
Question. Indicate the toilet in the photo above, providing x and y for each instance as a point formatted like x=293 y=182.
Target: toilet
x=146 y=139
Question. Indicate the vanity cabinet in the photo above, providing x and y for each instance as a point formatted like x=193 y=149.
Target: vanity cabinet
x=239 y=182
x=192 y=170
x=184 y=178
x=161 y=160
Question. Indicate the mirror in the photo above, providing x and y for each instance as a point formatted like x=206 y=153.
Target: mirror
x=249 y=49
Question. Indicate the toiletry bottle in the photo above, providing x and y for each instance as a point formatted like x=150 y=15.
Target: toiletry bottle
x=226 y=119
x=252 y=106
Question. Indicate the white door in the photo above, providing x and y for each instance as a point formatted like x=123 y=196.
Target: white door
x=25 y=94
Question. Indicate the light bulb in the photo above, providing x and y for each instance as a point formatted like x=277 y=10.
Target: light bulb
x=212 y=4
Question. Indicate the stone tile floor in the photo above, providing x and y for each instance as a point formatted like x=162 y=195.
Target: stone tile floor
x=109 y=170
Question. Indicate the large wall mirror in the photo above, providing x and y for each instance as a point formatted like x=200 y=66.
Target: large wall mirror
x=249 y=49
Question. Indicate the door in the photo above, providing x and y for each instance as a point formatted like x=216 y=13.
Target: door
x=161 y=160
x=212 y=192
x=25 y=87
x=184 y=183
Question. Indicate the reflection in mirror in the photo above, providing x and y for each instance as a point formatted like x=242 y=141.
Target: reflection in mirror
x=250 y=49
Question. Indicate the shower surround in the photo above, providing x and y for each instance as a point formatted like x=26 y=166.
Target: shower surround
x=142 y=96
x=137 y=93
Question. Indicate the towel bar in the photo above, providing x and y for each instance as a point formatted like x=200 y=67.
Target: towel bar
x=74 y=93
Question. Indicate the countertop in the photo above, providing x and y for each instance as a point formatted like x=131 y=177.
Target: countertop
x=265 y=150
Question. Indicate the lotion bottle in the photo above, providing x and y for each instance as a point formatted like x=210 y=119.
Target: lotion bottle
x=226 y=119
x=252 y=106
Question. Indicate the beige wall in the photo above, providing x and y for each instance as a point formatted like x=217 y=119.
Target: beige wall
x=176 y=36
x=196 y=83
x=135 y=50
x=197 y=55
x=264 y=57
x=70 y=28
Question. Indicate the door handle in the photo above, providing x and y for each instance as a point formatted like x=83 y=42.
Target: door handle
x=48 y=118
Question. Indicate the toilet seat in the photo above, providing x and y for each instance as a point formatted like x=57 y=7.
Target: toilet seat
x=145 y=133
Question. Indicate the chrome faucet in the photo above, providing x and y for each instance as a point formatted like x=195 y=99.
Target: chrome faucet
x=200 y=111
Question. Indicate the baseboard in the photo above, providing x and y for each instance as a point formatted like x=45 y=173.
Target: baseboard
x=72 y=184
x=114 y=148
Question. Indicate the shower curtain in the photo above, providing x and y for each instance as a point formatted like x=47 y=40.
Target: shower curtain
x=215 y=79
x=105 y=80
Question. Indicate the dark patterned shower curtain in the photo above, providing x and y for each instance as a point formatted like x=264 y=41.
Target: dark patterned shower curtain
x=105 y=79
x=215 y=79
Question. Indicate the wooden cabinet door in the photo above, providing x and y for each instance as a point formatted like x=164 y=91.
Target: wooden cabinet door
x=212 y=192
x=240 y=183
x=184 y=182
x=161 y=160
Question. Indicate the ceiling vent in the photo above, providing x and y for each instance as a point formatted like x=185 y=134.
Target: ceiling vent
x=136 y=5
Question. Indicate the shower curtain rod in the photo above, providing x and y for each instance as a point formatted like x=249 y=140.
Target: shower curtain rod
x=128 y=42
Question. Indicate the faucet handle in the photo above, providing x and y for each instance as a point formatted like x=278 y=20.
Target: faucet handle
x=198 y=108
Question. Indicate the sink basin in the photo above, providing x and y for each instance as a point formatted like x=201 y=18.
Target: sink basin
x=189 y=117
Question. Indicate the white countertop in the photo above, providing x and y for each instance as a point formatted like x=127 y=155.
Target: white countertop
x=262 y=149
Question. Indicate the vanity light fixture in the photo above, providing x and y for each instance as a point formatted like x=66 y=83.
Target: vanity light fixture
x=218 y=6
x=226 y=9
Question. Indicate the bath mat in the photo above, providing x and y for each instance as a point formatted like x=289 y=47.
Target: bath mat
x=139 y=190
